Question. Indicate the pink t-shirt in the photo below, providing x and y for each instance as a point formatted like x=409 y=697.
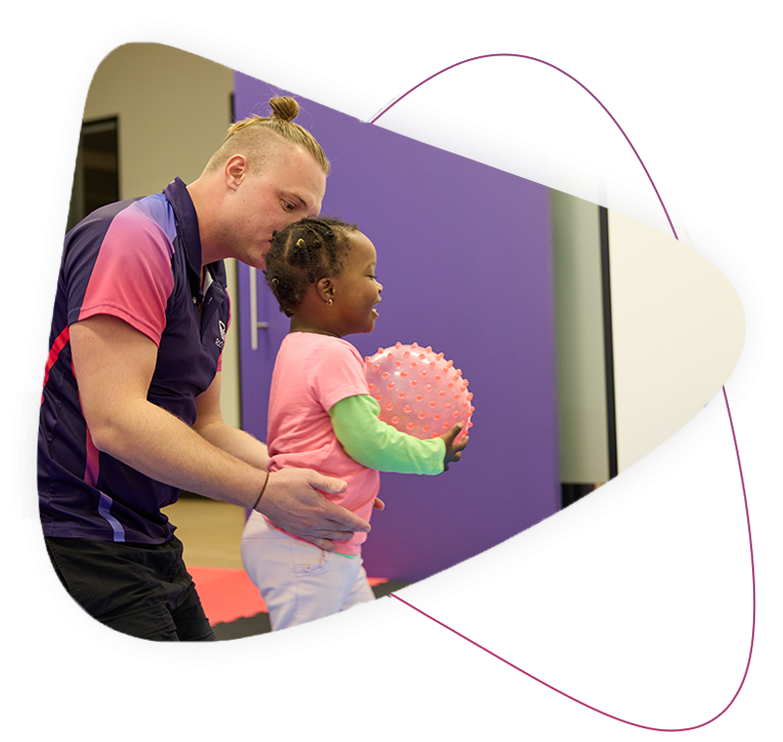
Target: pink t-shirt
x=312 y=373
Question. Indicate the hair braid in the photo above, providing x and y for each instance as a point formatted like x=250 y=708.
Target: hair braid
x=303 y=253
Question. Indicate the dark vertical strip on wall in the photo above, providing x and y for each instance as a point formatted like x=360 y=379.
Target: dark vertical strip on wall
x=608 y=345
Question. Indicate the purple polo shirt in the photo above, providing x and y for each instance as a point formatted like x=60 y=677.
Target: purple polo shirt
x=140 y=261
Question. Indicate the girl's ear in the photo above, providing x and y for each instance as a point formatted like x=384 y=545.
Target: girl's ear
x=325 y=289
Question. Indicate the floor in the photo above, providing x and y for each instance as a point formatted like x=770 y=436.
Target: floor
x=210 y=531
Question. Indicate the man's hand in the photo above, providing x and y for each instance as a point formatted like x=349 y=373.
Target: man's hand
x=292 y=501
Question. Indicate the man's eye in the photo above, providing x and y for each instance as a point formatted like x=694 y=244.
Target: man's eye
x=288 y=206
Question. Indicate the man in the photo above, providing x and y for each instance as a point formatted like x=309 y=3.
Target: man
x=130 y=411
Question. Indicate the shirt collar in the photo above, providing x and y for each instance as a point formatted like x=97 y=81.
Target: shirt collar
x=187 y=223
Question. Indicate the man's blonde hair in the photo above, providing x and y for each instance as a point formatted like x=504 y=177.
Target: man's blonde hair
x=257 y=136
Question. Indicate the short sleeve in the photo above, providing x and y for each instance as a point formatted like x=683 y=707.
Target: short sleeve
x=132 y=277
x=337 y=373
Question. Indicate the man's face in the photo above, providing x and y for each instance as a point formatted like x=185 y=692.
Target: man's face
x=291 y=186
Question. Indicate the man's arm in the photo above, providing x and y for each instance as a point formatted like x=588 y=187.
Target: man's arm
x=211 y=426
x=114 y=364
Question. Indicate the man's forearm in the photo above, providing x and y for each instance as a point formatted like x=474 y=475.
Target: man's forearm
x=236 y=442
x=149 y=439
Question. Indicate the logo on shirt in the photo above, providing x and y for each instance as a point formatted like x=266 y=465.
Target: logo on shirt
x=220 y=342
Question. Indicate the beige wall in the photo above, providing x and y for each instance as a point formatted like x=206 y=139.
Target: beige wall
x=678 y=328
x=173 y=110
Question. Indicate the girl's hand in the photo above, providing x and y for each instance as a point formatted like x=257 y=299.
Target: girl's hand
x=453 y=450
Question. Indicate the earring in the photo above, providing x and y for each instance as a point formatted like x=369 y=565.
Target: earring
x=329 y=303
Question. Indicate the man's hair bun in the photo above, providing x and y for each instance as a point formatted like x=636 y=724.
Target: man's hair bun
x=284 y=108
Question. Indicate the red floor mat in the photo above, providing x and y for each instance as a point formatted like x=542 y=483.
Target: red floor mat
x=229 y=594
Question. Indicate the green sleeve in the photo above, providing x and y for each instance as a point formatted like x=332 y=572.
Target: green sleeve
x=377 y=445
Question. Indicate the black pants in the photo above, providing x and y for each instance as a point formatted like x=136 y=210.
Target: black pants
x=137 y=589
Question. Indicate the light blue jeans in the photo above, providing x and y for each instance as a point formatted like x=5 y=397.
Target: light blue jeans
x=299 y=581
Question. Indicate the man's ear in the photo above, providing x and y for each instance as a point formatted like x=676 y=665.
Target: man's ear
x=235 y=170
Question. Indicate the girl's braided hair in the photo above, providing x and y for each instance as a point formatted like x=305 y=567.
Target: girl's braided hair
x=302 y=254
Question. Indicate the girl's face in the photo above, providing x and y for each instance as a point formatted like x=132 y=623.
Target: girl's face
x=355 y=290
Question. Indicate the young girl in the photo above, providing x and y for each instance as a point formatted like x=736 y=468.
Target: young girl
x=321 y=416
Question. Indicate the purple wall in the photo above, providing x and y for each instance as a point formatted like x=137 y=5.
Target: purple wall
x=465 y=257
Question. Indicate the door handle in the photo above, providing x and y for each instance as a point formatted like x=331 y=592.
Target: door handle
x=255 y=325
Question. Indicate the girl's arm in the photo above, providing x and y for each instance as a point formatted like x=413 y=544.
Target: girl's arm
x=377 y=445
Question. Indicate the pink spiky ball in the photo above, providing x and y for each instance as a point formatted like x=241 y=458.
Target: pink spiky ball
x=420 y=392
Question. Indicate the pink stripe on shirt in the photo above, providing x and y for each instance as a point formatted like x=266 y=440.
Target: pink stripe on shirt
x=37 y=399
